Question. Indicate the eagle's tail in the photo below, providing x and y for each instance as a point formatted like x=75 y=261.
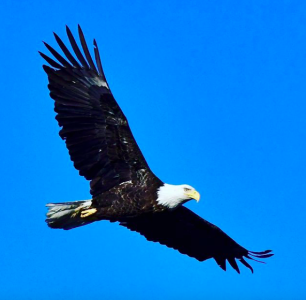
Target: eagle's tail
x=69 y=215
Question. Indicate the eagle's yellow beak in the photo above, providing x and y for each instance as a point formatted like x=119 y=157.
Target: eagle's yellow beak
x=193 y=195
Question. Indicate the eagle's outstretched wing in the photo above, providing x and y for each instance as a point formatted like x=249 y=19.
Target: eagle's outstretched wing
x=188 y=233
x=96 y=132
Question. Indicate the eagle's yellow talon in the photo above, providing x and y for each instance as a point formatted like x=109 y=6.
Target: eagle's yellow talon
x=88 y=212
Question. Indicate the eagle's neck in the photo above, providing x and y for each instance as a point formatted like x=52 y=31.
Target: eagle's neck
x=170 y=195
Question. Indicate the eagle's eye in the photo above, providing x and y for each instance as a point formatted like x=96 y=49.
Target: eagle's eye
x=187 y=189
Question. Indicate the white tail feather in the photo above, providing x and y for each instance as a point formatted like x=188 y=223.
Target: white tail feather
x=67 y=215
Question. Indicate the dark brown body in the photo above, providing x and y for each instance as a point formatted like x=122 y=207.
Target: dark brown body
x=129 y=199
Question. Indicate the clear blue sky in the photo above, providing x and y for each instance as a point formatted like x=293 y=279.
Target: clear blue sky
x=215 y=94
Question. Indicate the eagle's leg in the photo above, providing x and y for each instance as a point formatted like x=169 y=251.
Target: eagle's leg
x=88 y=212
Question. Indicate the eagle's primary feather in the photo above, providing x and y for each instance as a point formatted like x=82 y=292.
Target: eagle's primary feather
x=124 y=189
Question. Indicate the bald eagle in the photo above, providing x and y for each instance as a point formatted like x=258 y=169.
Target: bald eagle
x=123 y=188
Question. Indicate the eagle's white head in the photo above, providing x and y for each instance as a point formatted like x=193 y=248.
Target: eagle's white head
x=172 y=195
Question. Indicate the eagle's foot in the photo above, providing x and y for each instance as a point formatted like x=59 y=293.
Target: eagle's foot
x=88 y=212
